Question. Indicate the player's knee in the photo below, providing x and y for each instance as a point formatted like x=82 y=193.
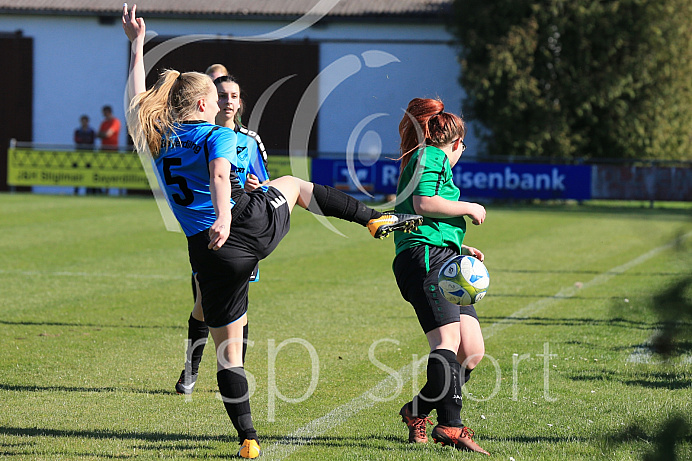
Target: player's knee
x=471 y=361
x=197 y=312
x=474 y=362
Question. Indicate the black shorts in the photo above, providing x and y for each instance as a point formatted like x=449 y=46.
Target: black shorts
x=416 y=270
x=223 y=275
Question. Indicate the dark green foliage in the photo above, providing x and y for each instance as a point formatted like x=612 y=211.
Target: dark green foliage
x=674 y=432
x=579 y=78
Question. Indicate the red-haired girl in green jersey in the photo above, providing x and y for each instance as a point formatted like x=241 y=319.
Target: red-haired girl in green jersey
x=431 y=144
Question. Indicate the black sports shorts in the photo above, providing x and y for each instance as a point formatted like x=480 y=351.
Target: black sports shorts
x=223 y=275
x=416 y=271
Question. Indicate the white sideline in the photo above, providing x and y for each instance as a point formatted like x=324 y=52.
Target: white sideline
x=289 y=444
x=315 y=428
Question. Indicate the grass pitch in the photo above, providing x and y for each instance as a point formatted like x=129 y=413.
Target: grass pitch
x=96 y=296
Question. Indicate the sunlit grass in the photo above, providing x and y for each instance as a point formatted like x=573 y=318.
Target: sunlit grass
x=96 y=296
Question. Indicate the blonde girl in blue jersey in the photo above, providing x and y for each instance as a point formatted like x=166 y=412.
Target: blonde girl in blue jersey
x=250 y=146
x=432 y=142
x=228 y=230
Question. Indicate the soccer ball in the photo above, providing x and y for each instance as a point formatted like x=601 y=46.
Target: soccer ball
x=463 y=280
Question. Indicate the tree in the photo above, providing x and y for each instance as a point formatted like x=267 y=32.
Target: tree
x=579 y=78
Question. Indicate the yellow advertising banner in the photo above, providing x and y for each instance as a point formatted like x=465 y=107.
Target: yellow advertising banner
x=28 y=167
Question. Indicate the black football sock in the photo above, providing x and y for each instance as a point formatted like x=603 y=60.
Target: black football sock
x=327 y=201
x=442 y=391
x=426 y=400
x=449 y=407
x=197 y=333
x=421 y=405
x=467 y=375
x=236 y=398
x=245 y=335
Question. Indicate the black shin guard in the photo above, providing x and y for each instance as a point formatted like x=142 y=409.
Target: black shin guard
x=327 y=201
x=442 y=391
x=197 y=333
x=236 y=398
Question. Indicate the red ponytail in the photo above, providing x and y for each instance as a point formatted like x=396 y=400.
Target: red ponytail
x=426 y=123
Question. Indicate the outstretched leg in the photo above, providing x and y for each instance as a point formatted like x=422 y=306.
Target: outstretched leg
x=327 y=201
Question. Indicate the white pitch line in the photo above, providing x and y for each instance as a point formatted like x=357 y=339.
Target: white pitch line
x=291 y=443
x=283 y=448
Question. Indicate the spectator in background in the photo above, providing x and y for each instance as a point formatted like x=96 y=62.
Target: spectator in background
x=85 y=135
x=84 y=138
x=216 y=70
x=109 y=130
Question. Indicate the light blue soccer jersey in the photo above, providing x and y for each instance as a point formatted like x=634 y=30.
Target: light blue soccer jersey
x=183 y=169
x=249 y=144
x=251 y=150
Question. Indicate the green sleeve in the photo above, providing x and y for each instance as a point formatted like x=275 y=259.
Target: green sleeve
x=431 y=166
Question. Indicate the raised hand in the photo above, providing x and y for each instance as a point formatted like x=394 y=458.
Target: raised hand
x=134 y=27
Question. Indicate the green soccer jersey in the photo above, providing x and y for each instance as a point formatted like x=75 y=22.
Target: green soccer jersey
x=429 y=173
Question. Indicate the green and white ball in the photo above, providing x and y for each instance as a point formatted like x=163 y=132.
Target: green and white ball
x=463 y=280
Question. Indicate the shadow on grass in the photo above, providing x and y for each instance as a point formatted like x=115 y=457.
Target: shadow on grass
x=671 y=385
x=680 y=347
x=534 y=439
x=85 y=325
x=674 y=308
x=674 y=431
x=29 y=454
x=109 y=434
x=149 y=442
x=662 y=380
x=585 y=272
x=193 y=444
x=16 y=388
x=577 y=321
x=539 y=296
x=190 y=445
x=178 y=437
x=655 y=380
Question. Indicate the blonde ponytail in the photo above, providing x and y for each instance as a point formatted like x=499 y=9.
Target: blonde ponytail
x=152 y=115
